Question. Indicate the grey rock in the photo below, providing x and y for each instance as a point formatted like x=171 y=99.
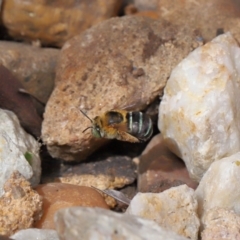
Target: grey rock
x=95 y=223
x=35 y=234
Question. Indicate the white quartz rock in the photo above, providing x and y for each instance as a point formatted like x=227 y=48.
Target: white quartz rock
x=199 y=115
x=219 y=186
x=221 y=224
x=35 y=234
x=174 y=209
x=19 y=151
x=97 y=224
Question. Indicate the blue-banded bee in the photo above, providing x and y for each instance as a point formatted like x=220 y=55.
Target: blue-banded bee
x=122 y=125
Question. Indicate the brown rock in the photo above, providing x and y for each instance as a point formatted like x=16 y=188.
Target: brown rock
x=19 y=103
x=54 y=22
x=59 y=195
x=126 y=64
x=34 y=67
x=159 y=169
x=111 y=172
x=5 y=238
x=221 y=224
x=201 y=16
x=20 y=206
x=143 y=5
x=132 y=9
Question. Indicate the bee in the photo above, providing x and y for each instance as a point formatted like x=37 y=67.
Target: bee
x=122 y=125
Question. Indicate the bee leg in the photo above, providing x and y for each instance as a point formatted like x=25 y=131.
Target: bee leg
x=124 y=136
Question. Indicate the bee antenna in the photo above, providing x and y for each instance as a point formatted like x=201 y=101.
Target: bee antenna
x=86 y=129
x=86 y=117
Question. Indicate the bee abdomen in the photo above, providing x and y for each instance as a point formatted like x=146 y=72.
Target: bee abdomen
x=139 y=125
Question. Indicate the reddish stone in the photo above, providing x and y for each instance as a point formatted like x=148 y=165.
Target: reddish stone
x=60 y=195
x=159 y=169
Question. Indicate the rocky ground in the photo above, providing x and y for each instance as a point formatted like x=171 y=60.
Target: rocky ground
x=63 y=63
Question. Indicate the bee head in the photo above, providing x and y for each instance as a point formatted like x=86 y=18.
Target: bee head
x=96 y=131
x=95 y=128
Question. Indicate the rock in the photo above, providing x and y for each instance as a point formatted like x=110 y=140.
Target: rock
x=32 y=233
x=203 y=17
x=119 y=74
x=20 y=104
x=99 y=224
x=219 y=186
x=19 y=151
x=56 y=22
x=146 y=5
x=221 y=224
x=34 y=67
x=199 y=113
x=60 y=195
x=159 y=169
x=131 y=9
x=2 y=237
x=20 y=206
x=111 y=172
x=109 y=167
x=174 y=209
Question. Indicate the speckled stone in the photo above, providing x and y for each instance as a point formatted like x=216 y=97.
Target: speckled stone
x=20 y=206
x=174 y=209
x=126 y=64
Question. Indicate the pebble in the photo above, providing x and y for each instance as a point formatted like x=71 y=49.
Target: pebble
x=219 y=186
x=20 y=206
x=174 y=209
x=159 y=169
x=199 y=113
x=53 y=23
x=19 y=151
x=221 y=224
x=60 y=195
x=33 y=66
x=33 y=233
x=115 y=74
x=98 y=224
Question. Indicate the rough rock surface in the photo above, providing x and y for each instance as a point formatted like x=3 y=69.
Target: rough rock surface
x=33 y=233
x=19 y=151
x=159 y=169
x=111 y=172
x=60 y=195
x=100 y=224
x=221 y=224
x=126 y=64
x=54 y=22
x=20 y=206
x=174 y=209
x=33 y=66
x=219 y=186
x=199 y=115
x=205 y=18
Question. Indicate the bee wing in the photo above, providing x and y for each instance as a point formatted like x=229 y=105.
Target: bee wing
x=134 y=106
